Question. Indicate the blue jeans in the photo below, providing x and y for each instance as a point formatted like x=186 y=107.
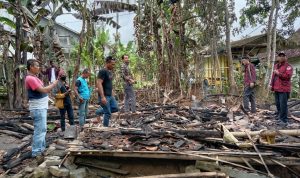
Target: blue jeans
x=67 y=108
x=83 y=112
x=281 y=99
x=110 y=107
x=39 y=117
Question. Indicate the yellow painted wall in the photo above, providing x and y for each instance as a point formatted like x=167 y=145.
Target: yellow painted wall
x=210 y=68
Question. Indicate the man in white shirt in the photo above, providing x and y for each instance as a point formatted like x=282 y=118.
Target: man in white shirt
x=51 y=72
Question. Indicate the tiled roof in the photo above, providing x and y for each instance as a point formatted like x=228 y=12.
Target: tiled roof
x=290 y=53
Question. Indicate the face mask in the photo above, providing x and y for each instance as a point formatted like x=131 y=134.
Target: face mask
x=63 y=78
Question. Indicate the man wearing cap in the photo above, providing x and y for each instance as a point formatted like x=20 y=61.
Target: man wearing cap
x=249 y=83
x=281 y=85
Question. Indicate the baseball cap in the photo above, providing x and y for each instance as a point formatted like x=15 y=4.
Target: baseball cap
x=281 y=53
x=246 y=57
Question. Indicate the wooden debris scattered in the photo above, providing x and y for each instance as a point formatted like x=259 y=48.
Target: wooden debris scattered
x=174 y=133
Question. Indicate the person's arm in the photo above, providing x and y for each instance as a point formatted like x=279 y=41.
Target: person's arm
x=101 y=91
x=48 y=88
x=100 y=88
x=124 y=73
x=100 y=79
x=287 y=74
x=253 y=74
x=77 y=85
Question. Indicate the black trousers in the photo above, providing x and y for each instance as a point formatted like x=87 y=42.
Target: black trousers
x=281 y=99
x=249 y=96
x=68 y=108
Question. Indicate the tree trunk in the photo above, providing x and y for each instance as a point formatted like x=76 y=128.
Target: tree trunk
x=159 y=54
x=23 y=62
x=7 y=67
x=81 y=43
x=216 y=66
x=182 y=46
x=167 y=46
x=274 y=36
x=269 y=41
x=232 y=84
x=16 y=69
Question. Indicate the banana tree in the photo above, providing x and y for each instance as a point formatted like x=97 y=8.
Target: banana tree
x=28 y=16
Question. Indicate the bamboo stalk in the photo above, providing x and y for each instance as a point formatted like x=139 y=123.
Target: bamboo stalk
x=269 y=173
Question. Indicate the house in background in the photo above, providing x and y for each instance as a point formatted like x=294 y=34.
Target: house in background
x=66 y=37
x=294 y=54
x=253 y=46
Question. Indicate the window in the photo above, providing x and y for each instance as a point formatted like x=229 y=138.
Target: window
x=64 y=40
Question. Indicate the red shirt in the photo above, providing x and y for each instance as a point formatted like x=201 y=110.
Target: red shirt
x=249 y=74
x=282 y=81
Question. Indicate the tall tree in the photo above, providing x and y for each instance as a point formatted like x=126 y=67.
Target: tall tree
x=83 y=12
x=228 y=21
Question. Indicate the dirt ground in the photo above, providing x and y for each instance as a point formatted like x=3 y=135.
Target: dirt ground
x=8 y=142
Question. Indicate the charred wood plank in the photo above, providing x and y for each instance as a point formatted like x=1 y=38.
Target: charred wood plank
x=28 y=126
x=11 y=133
x=110 y=169
x=188 y=175
x=16 y=128
x=14 y=151
x=98 y=162
x=13 y=163
x=292 y=104
x=158 y=107
x=187 y=133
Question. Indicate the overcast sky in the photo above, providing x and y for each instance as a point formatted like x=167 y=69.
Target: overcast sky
x=127 y=29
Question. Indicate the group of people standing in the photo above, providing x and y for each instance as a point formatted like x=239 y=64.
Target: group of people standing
x=280 y=84
x=38 y=96
x=38 y=93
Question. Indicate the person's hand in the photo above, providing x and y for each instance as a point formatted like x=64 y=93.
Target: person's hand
x=276 y=72
x=132 y=81
x=68 y=91
x=55 y=82
x=81 y=100
x=251 y=85
x=103 y=100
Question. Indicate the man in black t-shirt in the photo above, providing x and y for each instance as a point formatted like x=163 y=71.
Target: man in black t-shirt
x=104 y=85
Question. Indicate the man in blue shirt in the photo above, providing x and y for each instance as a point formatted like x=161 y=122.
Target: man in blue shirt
x=83 y=94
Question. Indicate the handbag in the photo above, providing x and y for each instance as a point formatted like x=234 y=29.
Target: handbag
x=59 y=100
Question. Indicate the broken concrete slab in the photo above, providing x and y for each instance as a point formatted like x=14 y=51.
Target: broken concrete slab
x=78 y=173
x=69 y=163
x=70 y=132
x=59 y=172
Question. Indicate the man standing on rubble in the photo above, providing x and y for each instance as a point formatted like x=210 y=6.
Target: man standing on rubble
x=129 y=95
x=38 y=105
x=249 y=83
x=83 y=94
x=104 y=85
x=281 y=85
